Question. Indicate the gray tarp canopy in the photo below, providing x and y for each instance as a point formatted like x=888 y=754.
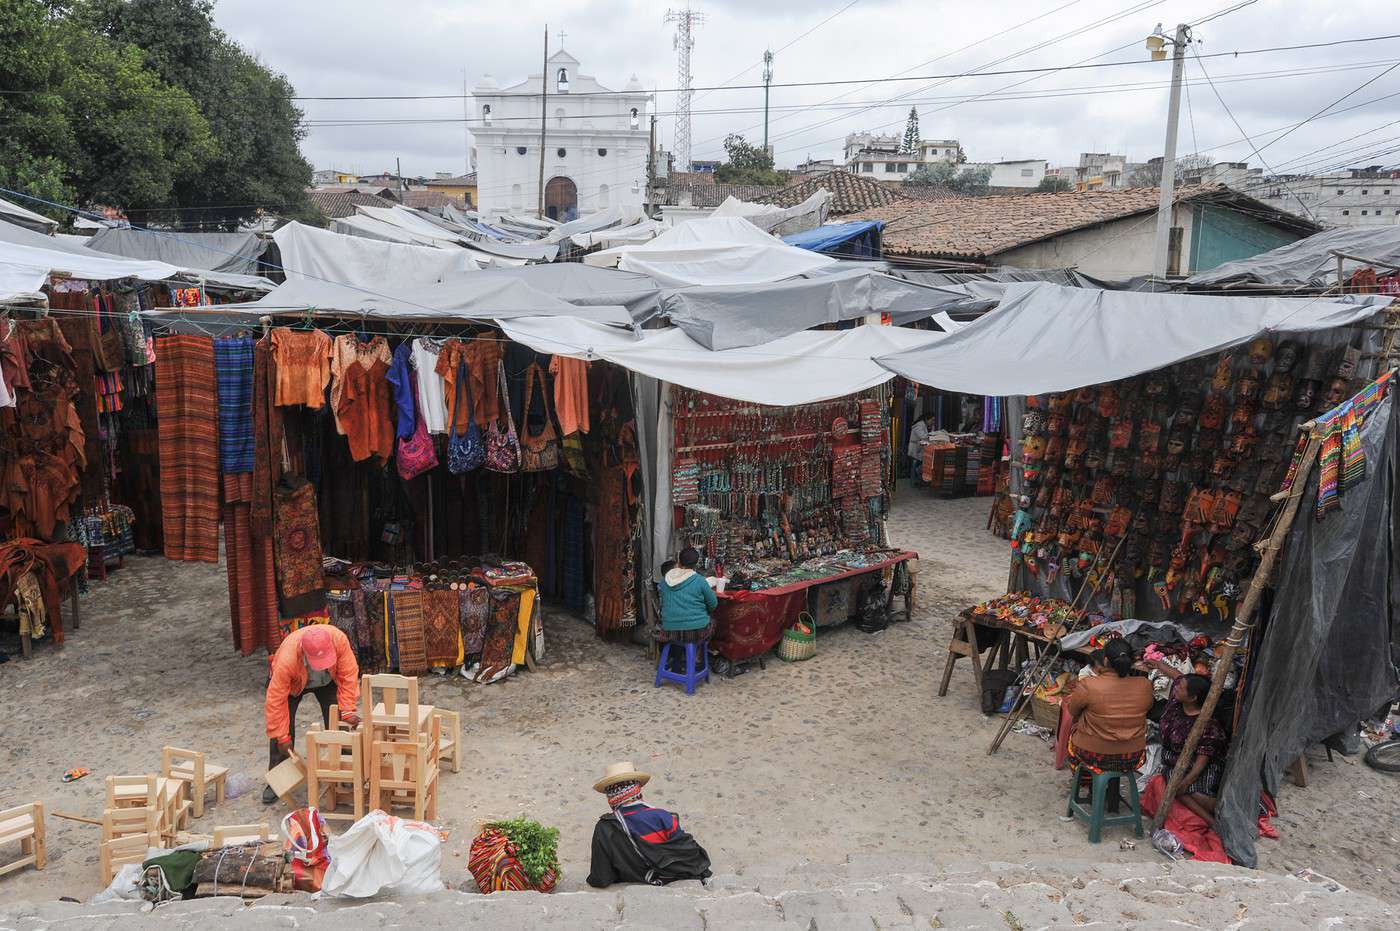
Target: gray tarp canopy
x=223 y=252
x=734 y=316
x=11 y=212
x=1307 y=263
x=468 y=297
x=589 y=286
x=1045 y=337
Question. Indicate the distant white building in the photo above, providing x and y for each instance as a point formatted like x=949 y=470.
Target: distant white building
x=595 y=143
x=878 y=155
x=1016 y=173
x=1356 y=197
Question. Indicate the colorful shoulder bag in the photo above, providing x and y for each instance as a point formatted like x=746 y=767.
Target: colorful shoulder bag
x=539 y=451
x=502 y=445
x=416 y=454
x=465 y=451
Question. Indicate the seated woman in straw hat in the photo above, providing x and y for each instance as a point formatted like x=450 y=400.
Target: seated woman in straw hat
x=635 y=843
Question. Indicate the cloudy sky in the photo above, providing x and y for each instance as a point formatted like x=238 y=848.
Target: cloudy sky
x=428 y=47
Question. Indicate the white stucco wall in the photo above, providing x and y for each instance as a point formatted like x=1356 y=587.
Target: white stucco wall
x=604 y=155
x=1119 y=249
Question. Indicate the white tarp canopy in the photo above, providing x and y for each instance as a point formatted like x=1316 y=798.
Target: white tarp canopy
x=379 y=266
x=715 y=250
x=780 y=221
x=643 y=230
x=11 y=212
x=1045 y=337
x=408 y=220
x=28 y=258
x=467 y=297
x=371 y=228
x=799 y=369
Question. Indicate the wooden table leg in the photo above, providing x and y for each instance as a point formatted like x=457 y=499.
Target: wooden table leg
x=26 y=648
x=73 y=595
x=964 y=643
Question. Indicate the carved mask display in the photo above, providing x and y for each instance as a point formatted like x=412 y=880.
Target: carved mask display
x=1176 y=441
x=1033 y=423
x=1060 y=402
x=1056 y=424
x=1155 y=386
x=1346 y=365
x=1149 y=436
x=1220 y=381
x=1278 y=391
x=1338 y=391
x=1260 y=350
x=1213 y=411
x=1108 y=401
x=1305 y=396
x=1120 y=434
x=1286 y=357
x=1247 y=388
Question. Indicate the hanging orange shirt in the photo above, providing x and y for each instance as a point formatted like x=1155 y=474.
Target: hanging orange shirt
x=364 y=410
x=350 y=350
x=482 y=356
x=303 y=366
x=570 y=394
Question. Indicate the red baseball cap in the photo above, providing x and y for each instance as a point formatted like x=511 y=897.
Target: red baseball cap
x=319 y=647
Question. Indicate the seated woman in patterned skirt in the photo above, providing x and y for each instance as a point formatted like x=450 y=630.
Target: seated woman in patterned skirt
x=1202 y=782
x=1109 y=711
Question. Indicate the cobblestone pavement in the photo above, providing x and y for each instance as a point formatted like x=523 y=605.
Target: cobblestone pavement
x=870 y=893
x=850 y=754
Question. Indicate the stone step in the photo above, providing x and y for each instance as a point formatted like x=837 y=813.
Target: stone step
x=875 y=892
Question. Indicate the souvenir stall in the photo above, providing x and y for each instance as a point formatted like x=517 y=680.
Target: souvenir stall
x=1154 y=503
x=787 y=507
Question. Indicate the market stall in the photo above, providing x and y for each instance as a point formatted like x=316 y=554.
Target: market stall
x=1157 y=436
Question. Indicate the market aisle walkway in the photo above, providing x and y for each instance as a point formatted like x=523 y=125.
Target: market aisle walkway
x=848 y=754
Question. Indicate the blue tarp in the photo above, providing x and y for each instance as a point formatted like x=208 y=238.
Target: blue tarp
x=860 y=238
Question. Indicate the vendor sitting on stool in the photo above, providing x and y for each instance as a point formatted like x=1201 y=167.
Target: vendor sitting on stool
x=635 y=843
x=1109 y=711
x=316 y=659
x=687 y=602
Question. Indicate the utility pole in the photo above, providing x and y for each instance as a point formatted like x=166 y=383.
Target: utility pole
x=1161 y=244
x=686 y=20
x=767 y=79
x=544 y=108
x=466 y=128
x=651 y=160
x=398 y=171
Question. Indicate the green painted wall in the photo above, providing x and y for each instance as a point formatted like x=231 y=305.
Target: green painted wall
x=1220 y=235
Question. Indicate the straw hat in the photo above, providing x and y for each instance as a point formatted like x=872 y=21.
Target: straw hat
x=620 y=772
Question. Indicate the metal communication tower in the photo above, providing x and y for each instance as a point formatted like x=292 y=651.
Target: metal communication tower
x=686 y=20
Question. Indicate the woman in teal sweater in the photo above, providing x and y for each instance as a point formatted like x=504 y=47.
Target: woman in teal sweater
x=687 y=602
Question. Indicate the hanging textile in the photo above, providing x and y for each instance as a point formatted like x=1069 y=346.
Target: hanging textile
x=298 y=546
x=407 y=610
x=81 y=335
x=347 y=353
x=251 y=569
x=499 y=643
x=1342 y=460
x=442 y=631
x=303 y=366
x=570 y=394
x=187 y=411
x=268 y=438
x=481 y=356
x=233 y=361
x=400 y=377
x=474 y=602
x=432 y=400
x=362 y=411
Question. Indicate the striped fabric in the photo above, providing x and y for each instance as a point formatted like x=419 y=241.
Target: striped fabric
x=233 y=361
x=187 y=411
x=407 y=610
x=252 y=578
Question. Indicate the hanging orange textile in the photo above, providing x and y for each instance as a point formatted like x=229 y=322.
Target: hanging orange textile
x=482 y=356
x=570 y=394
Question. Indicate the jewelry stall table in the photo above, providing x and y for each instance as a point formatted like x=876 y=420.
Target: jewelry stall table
x=750 y=623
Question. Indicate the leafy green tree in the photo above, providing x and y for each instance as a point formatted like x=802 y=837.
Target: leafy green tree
x=910 y=143
x=36 y=135
x=256 y=125
x=747 y=163
x=1054 y=184
x=952 y=176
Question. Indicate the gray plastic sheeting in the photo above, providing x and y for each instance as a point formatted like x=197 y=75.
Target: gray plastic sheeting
x=1308 y=263
x=224 y=252
x=1329 y=652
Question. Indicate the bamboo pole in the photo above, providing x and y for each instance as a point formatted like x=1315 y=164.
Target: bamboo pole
x=1244 y=620
x=1052 y=652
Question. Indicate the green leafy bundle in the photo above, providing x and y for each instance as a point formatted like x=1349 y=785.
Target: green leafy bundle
x=536 y=846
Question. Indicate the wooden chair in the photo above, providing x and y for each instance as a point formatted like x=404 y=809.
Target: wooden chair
x=389 y=703
x=196 y=773
x=450 y=746
x=232 y=835
x=131 y=791
x=335 y=773
x=404 y=772
x=127 y=833
x=24 y=825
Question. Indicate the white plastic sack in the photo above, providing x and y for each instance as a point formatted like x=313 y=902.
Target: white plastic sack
x=382 y=853
x=125 y=886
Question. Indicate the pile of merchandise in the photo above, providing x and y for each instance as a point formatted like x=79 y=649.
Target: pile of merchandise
x=774 y=573
x=1050 y=617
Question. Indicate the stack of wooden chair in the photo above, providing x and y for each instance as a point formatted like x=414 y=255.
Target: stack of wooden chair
x=24 y=825
x=141 y=812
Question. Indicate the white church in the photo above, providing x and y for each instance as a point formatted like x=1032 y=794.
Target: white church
x=595 y=143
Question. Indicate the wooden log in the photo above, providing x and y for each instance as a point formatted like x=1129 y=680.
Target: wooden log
x=1244 y=621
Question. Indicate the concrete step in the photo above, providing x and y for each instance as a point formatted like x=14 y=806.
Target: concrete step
x=870 y=893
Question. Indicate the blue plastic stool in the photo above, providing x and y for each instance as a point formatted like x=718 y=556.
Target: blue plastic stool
x=692 y=675
x=1095 y=814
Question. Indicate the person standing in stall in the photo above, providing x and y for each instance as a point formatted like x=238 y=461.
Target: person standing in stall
x=317 y=659
x=918 y=436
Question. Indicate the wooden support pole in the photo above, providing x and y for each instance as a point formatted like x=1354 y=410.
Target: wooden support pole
x=1244 y=620
x=60 y=814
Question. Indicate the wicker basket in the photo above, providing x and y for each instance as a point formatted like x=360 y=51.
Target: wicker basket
x=795 y=645
x=1044 y=712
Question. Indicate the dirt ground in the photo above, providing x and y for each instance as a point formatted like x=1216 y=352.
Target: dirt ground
x=849 y=752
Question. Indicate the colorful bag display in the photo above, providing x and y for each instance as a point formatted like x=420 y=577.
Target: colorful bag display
x=465 y=451
x=305 y=842
x=416 y=453
x=502 y=445
x=540 y=451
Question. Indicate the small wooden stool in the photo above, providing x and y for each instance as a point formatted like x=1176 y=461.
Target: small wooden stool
x=197 y=774
x=234 y=834
x=127 y=833
x=25 y=825
x=1096 y=815
x=335 y=774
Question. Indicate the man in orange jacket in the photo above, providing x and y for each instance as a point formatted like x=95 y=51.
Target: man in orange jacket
x=316 y=659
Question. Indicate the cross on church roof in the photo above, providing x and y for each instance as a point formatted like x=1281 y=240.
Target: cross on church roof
x=562 y=34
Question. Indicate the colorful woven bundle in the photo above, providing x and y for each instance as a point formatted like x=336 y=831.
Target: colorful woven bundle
x=189 y=447
x=1342 y=460
x=685 y=481
x=493 y=865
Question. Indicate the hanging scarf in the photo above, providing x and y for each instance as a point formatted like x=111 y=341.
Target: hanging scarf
x=624 y=793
